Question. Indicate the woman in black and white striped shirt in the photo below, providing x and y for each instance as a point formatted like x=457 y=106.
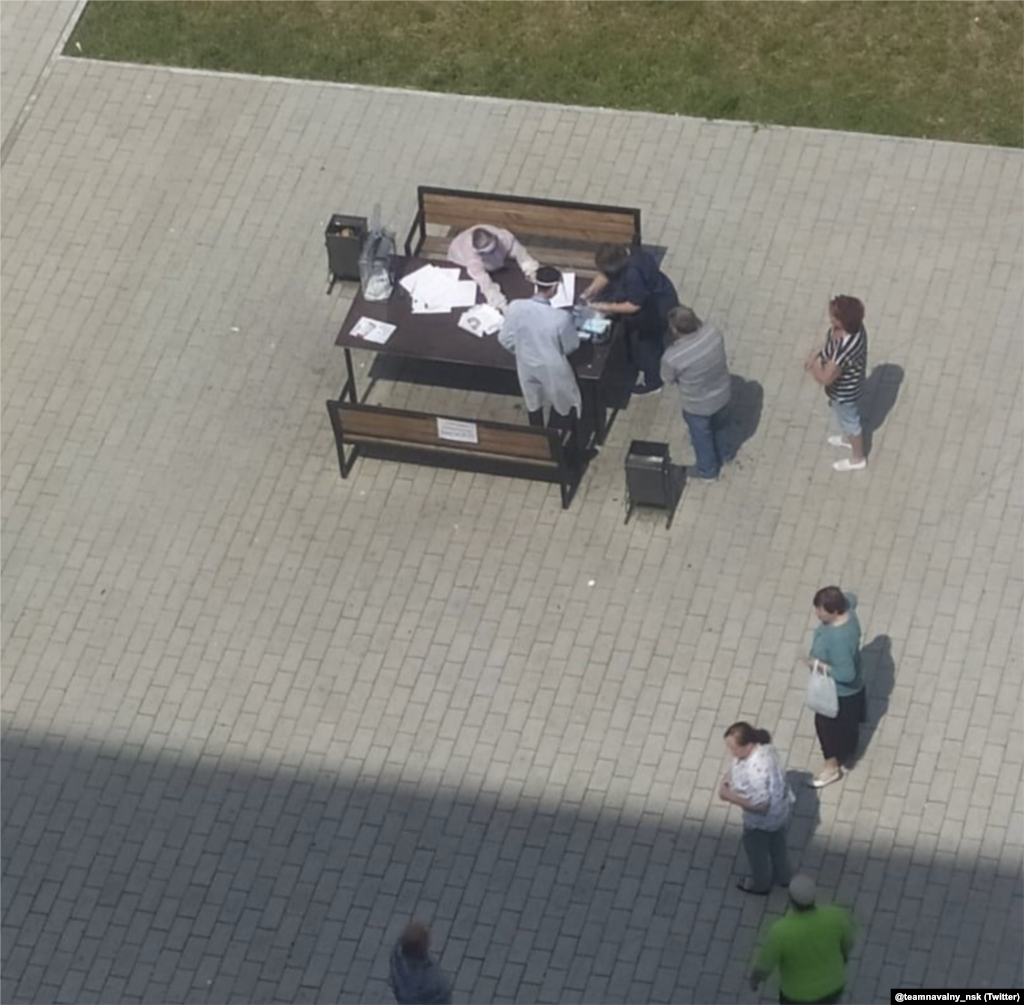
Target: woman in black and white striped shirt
x=840 y=367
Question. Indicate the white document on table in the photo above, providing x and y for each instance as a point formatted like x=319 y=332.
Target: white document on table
x=435 y=290
x=483 y=319
x=372 y=331
x=566 y=294
x=465 y=293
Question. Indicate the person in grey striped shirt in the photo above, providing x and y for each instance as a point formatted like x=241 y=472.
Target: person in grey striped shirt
x=695 y=362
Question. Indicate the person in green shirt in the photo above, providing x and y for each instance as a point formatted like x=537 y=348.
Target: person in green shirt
x=809 y=946
x=836 y=650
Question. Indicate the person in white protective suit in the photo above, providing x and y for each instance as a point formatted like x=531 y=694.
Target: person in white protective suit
x=482 y=250
x=541 y=337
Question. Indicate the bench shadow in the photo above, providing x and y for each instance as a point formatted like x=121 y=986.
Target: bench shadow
x=746 y=404
x=879 y=680
x=450 y=376
x=881 y=390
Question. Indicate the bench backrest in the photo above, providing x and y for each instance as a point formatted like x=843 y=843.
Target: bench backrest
x=496 y=439
x=526 y=218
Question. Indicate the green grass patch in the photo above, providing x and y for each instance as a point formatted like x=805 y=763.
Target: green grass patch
x=928 y=68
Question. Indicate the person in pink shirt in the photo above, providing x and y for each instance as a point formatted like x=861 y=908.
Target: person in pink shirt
x=482 y=250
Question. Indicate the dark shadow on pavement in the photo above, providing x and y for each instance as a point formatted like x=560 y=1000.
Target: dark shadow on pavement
x=148 y=878
x=806 y=816
x=881 y=390
x=879 y=680
x=746 y=403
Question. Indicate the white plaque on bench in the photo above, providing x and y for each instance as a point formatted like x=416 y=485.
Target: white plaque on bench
x=461 y=432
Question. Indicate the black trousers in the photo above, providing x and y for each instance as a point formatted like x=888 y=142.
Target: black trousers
x=838 y=737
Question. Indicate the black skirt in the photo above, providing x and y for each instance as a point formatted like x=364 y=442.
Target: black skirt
x=838 y=737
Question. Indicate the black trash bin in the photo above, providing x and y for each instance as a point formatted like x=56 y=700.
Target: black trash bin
x=649 y=478
x=344 y=237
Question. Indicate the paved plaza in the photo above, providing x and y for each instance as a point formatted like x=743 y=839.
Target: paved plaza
x=255 y=718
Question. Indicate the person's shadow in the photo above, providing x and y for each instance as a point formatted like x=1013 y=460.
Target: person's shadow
x=879 y=671
x=881 y=389
x=746 y=403
x=805 y=818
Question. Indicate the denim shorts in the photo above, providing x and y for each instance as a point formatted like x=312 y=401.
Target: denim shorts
x=847 y=417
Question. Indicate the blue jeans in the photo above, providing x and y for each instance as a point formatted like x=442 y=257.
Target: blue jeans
x=709 y=435
x=766 y=853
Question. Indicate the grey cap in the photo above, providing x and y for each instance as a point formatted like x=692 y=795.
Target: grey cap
x=802 y=891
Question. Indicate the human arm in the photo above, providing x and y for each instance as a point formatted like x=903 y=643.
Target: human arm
x=524 y=259
x=622 y=307
x=825 y=372
x=765 y=961
x=568 y=337
x=669 y=373
x=597 y=284
x=490 y=289
x=631 y=292
x=837 y=647
x=507 y=335
x=756 y=978
x=729 y=795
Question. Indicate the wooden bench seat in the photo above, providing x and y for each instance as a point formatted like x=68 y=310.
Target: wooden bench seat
x=563 y=234
x=419 y=437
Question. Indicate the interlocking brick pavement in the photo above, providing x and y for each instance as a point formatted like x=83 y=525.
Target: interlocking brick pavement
x=256 y=717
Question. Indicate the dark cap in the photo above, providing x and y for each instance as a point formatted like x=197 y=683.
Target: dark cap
x=548 y=276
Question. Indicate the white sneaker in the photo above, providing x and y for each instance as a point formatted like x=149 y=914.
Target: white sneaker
x=847 y=465
x=838 y=441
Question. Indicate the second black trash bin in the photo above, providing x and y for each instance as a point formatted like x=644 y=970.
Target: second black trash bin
x=344 y=237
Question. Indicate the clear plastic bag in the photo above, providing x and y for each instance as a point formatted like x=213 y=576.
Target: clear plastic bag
x=376 y=263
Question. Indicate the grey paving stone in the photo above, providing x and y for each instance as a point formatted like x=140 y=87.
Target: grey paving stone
x=284 y=711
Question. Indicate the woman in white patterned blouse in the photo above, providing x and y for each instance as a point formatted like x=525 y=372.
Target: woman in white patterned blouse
x=757 y=784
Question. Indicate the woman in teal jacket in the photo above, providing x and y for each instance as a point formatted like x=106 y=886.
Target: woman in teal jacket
x=836 y=647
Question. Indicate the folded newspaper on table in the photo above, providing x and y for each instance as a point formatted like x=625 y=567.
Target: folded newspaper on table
x=436 y=291
x=372 y=331
x=481 y=320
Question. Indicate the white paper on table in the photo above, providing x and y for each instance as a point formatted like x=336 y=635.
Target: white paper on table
x=435 y=290
x=421 y=307
x=436 y=287
x=566 y=294
x=483 y=319
x=372 y=331
x=465 y=293
x=411 y=281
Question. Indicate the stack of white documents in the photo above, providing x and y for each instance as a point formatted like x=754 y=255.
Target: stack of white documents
x=437 y=291
x=481 y=320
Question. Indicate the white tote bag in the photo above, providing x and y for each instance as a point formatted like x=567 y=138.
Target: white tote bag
x=821 y=692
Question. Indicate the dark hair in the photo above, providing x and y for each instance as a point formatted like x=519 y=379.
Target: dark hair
x=548 y=276
x=745 y=734
x=483 y=238
x=849 y=311
x=415 y=941
x=682 y=321
x=831 y=599
x=611 y=258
